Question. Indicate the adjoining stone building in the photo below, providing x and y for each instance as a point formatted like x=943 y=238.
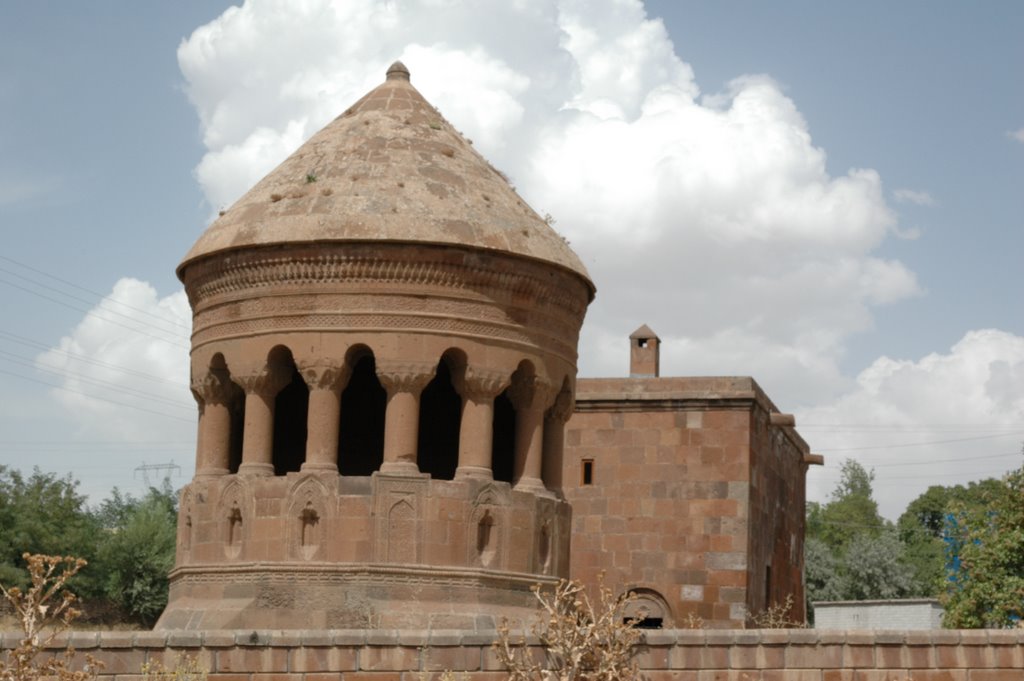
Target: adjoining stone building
x=687 y=491
x=384 y=356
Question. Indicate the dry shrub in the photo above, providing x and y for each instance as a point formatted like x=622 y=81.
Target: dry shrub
x=777 y=616
x=44 y=611
x=693 y=621
x=186 y=668
x=581 y=641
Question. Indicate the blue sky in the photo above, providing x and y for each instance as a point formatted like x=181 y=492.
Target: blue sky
x=883 y=309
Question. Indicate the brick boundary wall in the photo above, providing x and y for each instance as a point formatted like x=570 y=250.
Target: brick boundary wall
x=683 y=655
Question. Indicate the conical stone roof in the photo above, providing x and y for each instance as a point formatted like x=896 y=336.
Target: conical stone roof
x=390 y=168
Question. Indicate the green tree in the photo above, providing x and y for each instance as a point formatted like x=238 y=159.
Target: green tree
x=986 y=586
x=875 y=567
x=138 y=553
x=852 y=553
x=44 y=514
x=922 y=528
x=852 y=510
x=822 y=572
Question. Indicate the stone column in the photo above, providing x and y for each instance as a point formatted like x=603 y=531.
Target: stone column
x=530 y=396
x=554 y=440
x=215 y=393
x=258 y=437
x=478 y=389
x=403 y=381
x=325 y=382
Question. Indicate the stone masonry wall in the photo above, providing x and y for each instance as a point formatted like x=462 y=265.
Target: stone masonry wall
x=693 y=495
x=666 y=510
x=777 y=502
x=680 y=655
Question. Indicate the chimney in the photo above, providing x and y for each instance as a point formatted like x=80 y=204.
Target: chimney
x=643 y=353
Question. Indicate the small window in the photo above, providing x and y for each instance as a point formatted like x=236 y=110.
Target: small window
x=587 y=472
x=645 y=622
x=641 y=342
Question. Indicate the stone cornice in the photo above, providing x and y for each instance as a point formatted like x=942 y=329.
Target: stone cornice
x=495 y=276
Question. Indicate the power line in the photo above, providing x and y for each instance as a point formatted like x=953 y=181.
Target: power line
x=89 y=291
x=96 y=397
x=935 y=461
x=22 y=340
x=93 y=303
x=922 y=444
x=95 y=381
x=90 y=313
x=945 y=425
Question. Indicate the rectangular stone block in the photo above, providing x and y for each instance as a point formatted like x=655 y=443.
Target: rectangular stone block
x=838 y=675
x=456 y=658
x=770 y=657
x=813 y=657
x=218 y=639
x=185 y=639
x=379 y=676
x=858 y=657
x=271 y=676
x=119 y=661
x=117 y=639
x=323 y=676
x=884 y=675
x=940 y=675
x=309 y=659
x=388 y=658
x=224 y=676
x=994 y=675
x=251 y=659
x=790 y=675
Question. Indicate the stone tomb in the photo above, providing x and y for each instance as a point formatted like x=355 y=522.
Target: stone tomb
x=384 y=357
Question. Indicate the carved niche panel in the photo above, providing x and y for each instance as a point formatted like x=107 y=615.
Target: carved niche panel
x=398 y=509
x=233 y=516
x=488 y=529
x=308 y=513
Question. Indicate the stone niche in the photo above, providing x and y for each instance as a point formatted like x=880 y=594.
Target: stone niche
x=381 y=411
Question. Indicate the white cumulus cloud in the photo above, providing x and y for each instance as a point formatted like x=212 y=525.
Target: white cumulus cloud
x=123 y=369
x=943 y=419
x=918 y=198
x=711 y=217
x=1017 y=134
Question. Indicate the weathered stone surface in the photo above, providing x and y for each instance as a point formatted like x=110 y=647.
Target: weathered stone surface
x=345 y=313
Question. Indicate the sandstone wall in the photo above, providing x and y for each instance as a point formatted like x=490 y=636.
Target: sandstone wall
x=694 y=494
x=684 y=655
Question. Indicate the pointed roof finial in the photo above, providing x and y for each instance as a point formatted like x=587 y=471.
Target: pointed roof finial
x=398 y=71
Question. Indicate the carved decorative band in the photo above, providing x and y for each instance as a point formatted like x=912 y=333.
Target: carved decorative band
x=355 y=573
x=500 y=277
